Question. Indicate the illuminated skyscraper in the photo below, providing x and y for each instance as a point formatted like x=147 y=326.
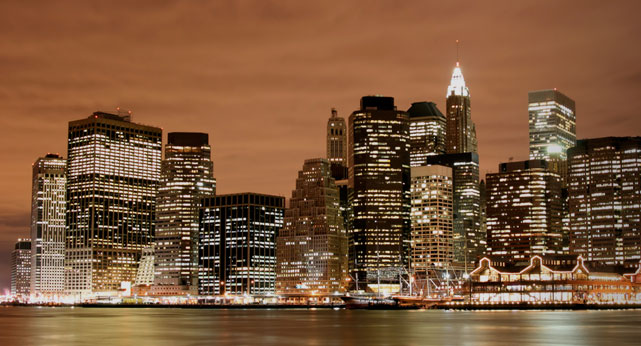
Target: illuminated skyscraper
x=48 y=208
x=312 y=245
x=21 y=268
x=337 y=145
x=552 y=128
x=112 y=181
x=427 y=132
x=604 y=180
x=187 y=175
x=468 y=237
x=523 y=211
x=432 y=218
x=379 y=179
x=461 y=131
x=237 y=248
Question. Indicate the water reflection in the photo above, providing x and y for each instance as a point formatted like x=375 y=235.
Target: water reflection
x=99 y=326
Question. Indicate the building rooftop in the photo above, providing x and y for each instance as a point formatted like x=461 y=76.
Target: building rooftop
x=424 y=109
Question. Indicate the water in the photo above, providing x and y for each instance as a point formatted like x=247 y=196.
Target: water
x=26 y=326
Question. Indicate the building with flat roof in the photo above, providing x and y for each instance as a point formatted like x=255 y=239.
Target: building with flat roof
x=237 y=243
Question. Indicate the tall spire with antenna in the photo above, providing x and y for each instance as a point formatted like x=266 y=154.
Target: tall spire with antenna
x=457 y=84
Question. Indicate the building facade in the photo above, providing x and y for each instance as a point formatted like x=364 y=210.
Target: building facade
x=21 y=268
x=48 y=217
x=524 y=211
x=113 y=172
x=461 y=131
x=552 y=123
x=379 y=184
x=468 y=237
x=237 y=248
x=187 y=175
x=312 y=245
x=432 y=218
x=427 y=132
x=604 y=180
x=337 y=145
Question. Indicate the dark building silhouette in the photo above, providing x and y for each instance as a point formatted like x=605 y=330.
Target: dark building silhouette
x=604 y=180
x=427 y=132
x=379 y=182
x=237 y=248
x=524 y=211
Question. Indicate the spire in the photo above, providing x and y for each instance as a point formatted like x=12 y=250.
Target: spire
x=457 y=84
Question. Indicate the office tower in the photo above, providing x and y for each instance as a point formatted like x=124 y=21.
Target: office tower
x=21 y=268
x=237 y=249
x=523 y=211
x=187 y=175
x=427 y=132
x=432 y=218
x=311 y=248
x=379 y=180
x=604 y=180
x=337 y=145
x=113 y=171
x=48 y=208
x=469 y=240
x=483 y=210
x=379 y=183
x=552 y=128
x=461 y=131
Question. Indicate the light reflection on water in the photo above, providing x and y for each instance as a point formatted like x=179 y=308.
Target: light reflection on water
x=155 y=326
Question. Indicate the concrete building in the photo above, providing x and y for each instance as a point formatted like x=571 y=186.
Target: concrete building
x=469 y=239
x=237 y=248
x=187 y=176
x=524 y=211
x=312 y=245
x=112 y=181
x=432 y=218
x=48 y=218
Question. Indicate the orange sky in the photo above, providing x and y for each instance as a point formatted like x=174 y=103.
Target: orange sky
x=261 y=76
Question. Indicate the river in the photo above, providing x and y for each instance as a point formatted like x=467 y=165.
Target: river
x=26 y=326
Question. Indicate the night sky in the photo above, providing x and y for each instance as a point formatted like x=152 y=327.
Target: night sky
x=261 y=76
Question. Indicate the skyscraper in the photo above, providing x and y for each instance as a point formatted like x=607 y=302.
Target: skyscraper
x=552 y=128
x=312 y=245
x=237 y=248
x=461 y=131
x=187 y=175
x=48 y=208
x=604 y=180
x=379 y=179
x=337 y=145
x=432 y=218
x=112 y=182
x=427 y=132
x=523 y=211
x=469 y=239
x=21 y=268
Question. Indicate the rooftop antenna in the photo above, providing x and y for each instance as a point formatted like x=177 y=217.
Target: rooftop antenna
x=334 y=112
x=457 y=55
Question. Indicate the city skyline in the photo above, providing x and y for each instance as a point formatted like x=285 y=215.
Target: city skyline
x=421 y=76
